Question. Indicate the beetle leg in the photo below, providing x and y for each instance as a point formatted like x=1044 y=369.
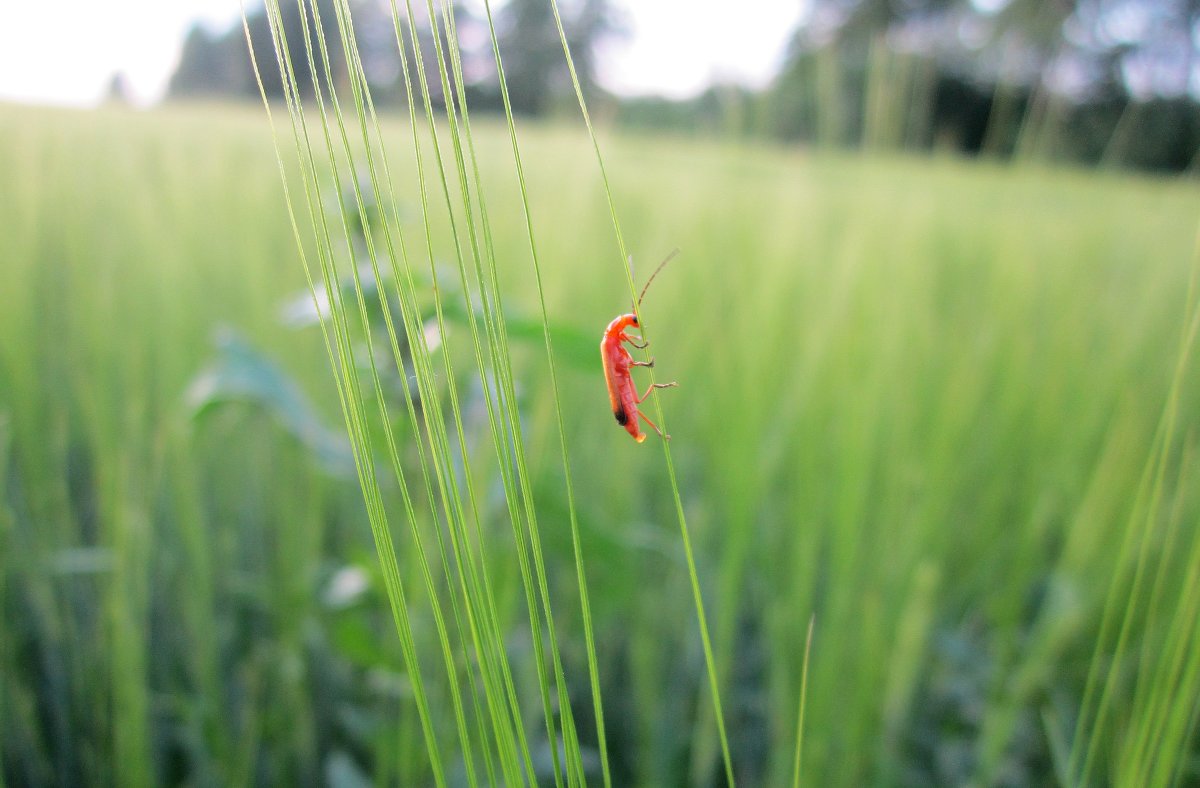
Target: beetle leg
x=653 y=386
x=633 y=341
x=654 y=426
x=649 y=363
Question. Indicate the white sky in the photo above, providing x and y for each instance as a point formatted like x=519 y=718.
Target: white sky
x=66 y=51
x=679 y=47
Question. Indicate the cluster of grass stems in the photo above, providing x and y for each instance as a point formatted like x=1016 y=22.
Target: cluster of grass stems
x=467 y=599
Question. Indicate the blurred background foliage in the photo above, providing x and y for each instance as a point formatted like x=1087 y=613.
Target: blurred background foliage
x=922 y=399
x=1110 y=82
x=922 y=415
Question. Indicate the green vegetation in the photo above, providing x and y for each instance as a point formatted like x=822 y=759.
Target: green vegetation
x=928 y=403
x=1098 y=82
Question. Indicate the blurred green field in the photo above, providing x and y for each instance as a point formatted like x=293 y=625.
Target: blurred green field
x=918 y=400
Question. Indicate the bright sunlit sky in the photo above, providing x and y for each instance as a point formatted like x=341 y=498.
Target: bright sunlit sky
x=66 y=51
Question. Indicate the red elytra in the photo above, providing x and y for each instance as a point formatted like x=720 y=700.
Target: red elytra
x=618 y=364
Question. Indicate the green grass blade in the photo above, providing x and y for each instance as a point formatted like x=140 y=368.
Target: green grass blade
x=348 y=387
x=803 y=702
x=701 y=616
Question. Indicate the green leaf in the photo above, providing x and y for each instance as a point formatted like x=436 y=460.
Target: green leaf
x=242 y=374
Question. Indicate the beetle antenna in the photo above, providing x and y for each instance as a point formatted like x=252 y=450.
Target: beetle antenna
x=661 y=265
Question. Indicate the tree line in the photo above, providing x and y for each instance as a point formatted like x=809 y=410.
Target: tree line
x=1103 y=82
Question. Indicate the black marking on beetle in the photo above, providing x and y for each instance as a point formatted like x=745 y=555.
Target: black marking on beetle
x=622 y=416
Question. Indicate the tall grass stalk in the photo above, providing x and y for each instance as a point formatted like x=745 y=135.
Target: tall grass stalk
x=358 y=84
x=581 y=576
x=803 y=702
x=486 y=635
x=1135 y=555
x=493 y=363
x=660 y=418
x=341 y=355
x=529 y=539
x=6 y=529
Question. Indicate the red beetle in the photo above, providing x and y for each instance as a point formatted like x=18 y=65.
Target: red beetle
x=618 y=363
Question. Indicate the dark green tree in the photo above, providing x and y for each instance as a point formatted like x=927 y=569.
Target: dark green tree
x=218 y=64
x=534 y=66
x=211 y=65
x=1068 y=78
